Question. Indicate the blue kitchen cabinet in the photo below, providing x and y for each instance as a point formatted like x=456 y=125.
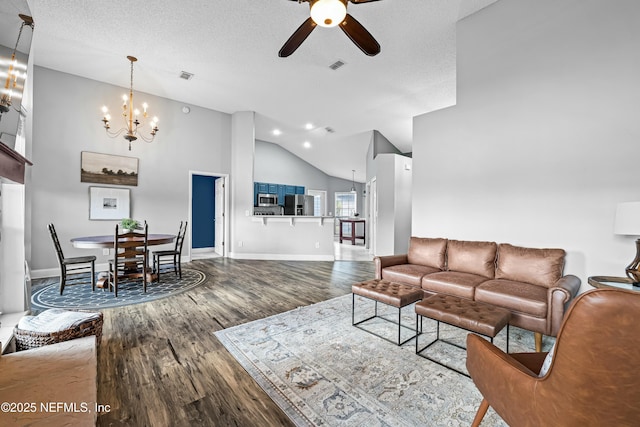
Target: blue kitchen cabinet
x=263 y=188
x=289 y=189
x=281 y=193
x=299 y=190
x=273 y=188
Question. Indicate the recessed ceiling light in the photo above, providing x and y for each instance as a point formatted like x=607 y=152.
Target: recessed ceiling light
x=307 y=144
x=277 y=132
x=308 y=126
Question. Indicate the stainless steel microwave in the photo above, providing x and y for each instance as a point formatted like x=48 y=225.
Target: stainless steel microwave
x=267 y=199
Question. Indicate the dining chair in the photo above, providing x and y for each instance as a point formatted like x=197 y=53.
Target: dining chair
x=130 y=257
x=173 y=255
x=73 y=270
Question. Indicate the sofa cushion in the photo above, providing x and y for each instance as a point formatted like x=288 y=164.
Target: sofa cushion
x=472 y=257
x=427 y=251
x=518 y=297
x=452 y=283
x=410 y=274
x=542 y=267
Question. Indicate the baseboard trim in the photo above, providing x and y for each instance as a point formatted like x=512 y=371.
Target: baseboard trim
x=104 y=267
x=282 y=257
x=55 y=272
x=202 y=250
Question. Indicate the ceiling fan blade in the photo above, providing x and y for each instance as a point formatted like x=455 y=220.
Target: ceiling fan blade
x=360 y=36
x=297 y=38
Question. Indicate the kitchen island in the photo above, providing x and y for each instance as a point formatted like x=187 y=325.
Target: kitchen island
x=292 y=219
x=287 y=237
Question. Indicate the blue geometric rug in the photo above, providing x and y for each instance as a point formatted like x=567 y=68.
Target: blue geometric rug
x=81 y=296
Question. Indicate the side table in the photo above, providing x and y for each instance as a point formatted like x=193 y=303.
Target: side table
x=354 y=223
x=613 y=282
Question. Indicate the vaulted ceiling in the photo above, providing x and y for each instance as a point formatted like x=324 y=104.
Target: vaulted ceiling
x=231 y=47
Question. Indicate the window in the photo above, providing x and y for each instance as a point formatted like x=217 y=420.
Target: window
x=346 y=206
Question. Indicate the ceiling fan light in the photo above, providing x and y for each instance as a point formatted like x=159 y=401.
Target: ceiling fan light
x=328 y=13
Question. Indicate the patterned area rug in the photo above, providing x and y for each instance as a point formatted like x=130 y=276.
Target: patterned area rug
x=81 y=296
x=324 y=372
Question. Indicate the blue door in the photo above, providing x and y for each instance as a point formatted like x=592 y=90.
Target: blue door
x=203 y=209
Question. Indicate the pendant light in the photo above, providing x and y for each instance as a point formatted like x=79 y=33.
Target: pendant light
x=353 y=180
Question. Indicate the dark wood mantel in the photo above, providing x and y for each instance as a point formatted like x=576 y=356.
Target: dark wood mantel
x=12 y=164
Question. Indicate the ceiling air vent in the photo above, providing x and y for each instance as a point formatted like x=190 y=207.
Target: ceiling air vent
x=185 y=75
x=336 y=65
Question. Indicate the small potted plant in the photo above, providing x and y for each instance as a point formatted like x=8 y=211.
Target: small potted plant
x=128 y=224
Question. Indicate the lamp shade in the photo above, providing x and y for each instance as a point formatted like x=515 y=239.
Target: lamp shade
x=627 y=220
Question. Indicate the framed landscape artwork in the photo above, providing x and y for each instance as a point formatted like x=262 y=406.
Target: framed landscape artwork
x=109 y=203
x=108 y=169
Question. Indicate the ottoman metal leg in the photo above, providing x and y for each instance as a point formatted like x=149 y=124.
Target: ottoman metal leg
x=399 y=342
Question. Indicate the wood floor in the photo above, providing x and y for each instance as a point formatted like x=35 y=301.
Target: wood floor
x=159 y=363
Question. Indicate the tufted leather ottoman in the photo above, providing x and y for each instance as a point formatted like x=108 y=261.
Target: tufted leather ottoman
x=391 y=293
x=481 y=318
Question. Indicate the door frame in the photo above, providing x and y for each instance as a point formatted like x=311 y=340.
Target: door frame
x=225 y=178
x=372 y=192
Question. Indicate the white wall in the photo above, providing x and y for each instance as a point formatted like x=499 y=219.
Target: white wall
x=250 y=238
x=394 y=203
x=67 y=115
x=402 y=201
x=545 y=136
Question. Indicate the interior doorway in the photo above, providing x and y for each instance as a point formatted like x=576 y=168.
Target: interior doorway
x=208 y=204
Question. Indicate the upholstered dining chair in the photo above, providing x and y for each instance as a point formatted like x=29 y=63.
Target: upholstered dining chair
x=591 y=379
x=172 y=256
x=73 y=270
x=130 y=257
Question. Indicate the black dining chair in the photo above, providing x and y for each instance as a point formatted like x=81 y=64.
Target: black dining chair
x=172 y=255
x=73 y=270
x=130 y=257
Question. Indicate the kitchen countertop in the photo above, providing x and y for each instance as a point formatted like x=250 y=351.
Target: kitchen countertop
x=292 y=219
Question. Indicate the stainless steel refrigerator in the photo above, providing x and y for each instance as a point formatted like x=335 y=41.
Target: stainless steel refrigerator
x=298 y=204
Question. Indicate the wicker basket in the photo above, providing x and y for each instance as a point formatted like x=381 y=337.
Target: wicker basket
x=26 y=340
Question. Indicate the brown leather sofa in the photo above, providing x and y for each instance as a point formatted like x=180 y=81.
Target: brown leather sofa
x=526 y=281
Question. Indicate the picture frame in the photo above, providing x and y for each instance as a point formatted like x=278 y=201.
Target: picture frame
x=108 y=169
x=109 y=203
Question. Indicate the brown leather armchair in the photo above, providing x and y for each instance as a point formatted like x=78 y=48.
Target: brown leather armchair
x=594 y=376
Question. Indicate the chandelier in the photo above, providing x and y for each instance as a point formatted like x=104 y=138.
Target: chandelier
x=131 y=117
x=12 y=73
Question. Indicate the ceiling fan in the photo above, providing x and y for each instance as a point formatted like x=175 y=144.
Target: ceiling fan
x=332 y=13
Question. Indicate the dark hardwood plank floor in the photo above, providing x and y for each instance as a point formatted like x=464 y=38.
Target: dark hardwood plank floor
x=159 y=363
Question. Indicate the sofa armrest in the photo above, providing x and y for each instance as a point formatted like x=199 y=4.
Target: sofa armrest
x=560 y=296
x=389 y=260
x=505 y=383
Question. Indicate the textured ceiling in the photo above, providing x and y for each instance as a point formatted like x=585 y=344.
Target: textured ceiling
x=231 y=47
